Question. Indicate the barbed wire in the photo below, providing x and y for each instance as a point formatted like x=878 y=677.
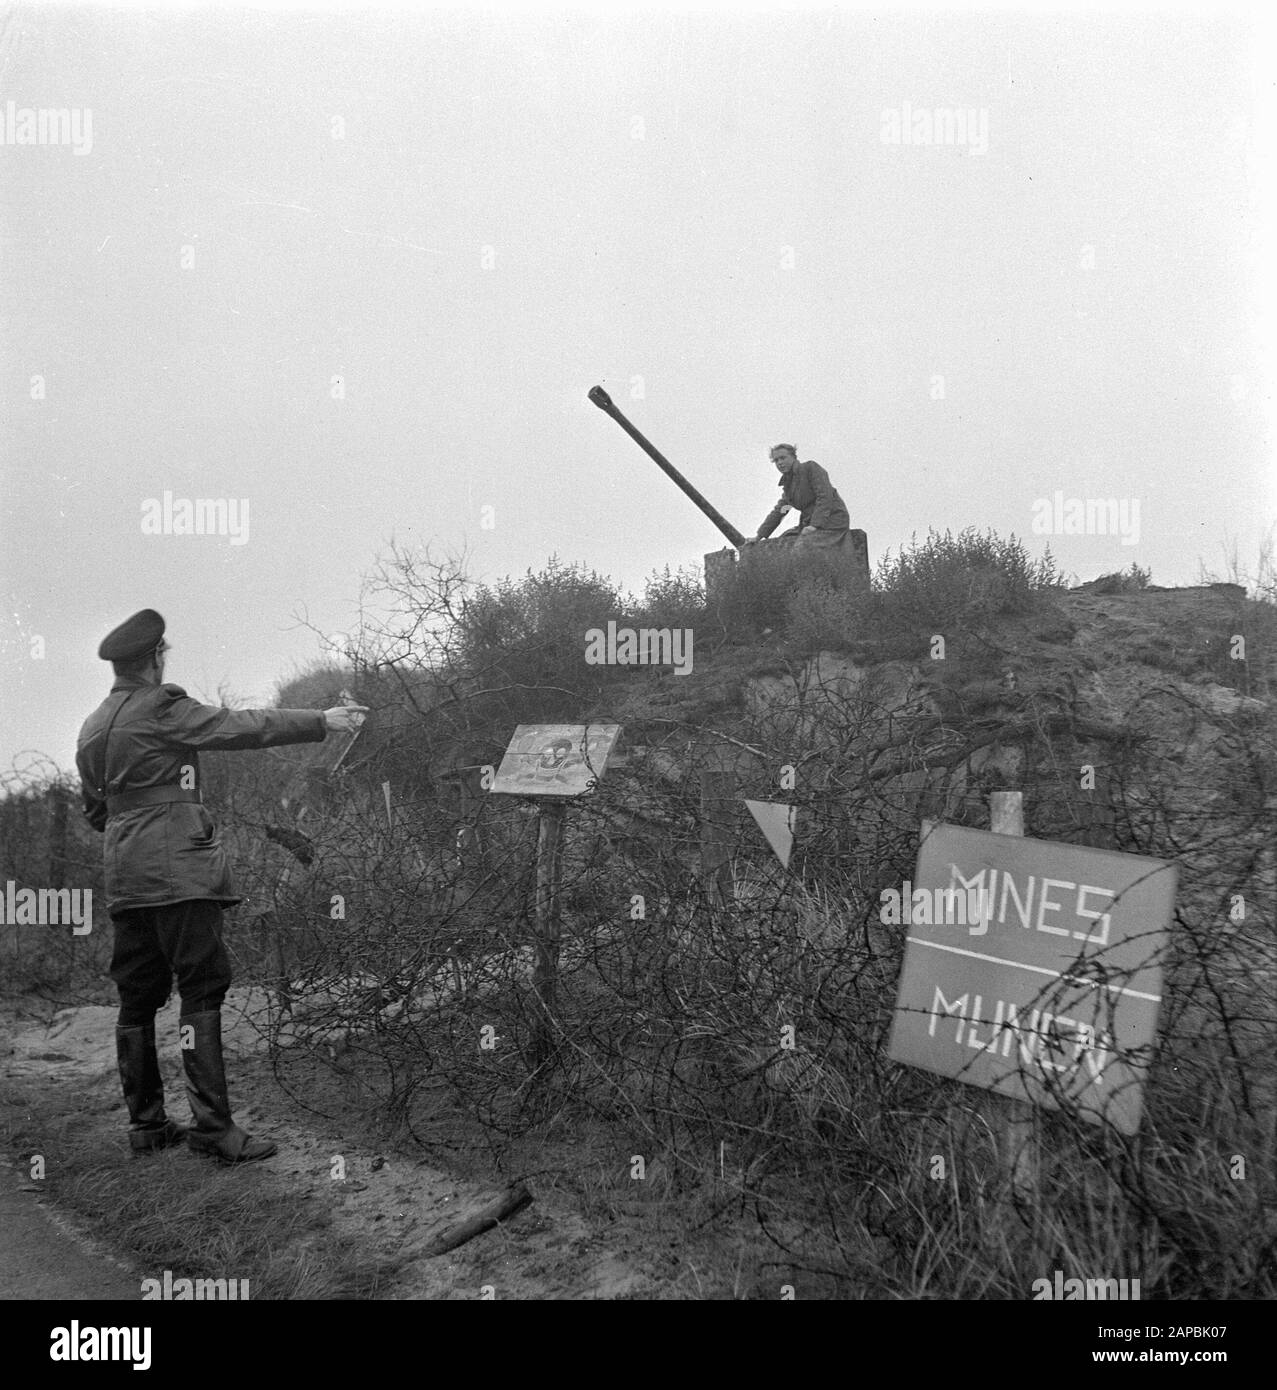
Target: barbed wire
x=399 y=953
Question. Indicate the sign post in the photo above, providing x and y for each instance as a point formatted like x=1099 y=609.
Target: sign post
x=545 y=972
x=1033 y=969
x=717 y=812
x=551 y=764
x=1019 y=1157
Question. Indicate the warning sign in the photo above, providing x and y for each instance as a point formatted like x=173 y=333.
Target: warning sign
x=555 y=759
x=1033 y=968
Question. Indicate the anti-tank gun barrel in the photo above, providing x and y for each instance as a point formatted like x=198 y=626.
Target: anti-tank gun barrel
x=604 y=402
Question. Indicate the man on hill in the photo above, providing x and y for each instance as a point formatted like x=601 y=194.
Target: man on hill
x=167 y=874
x=805 y=487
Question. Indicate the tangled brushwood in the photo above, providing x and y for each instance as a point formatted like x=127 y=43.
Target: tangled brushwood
x=724 y=1019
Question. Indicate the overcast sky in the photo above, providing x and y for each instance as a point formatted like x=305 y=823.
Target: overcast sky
x=361 y=270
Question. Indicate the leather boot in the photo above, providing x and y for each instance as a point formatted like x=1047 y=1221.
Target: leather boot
x=214 y=1133
x=149 y=1127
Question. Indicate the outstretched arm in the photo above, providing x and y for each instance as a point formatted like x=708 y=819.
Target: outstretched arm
x=195 y=725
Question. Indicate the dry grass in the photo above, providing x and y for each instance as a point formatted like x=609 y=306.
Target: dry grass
x=179 y=1212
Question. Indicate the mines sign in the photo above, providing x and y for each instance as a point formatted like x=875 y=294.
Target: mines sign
x=1034 y=969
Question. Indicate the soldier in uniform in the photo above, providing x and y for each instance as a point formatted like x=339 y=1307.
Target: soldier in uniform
x=167 y=874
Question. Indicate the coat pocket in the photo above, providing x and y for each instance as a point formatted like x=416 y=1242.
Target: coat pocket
x=203 y=832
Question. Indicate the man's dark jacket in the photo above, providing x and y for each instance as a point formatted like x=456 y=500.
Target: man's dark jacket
x=168 y=853
x=806 y=488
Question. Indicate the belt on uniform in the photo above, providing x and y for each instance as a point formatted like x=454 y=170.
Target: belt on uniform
x=148 y=796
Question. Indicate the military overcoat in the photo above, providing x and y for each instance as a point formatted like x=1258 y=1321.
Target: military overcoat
x=144 y=736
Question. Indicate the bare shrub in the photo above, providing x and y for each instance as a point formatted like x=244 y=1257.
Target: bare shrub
x=732 y=1028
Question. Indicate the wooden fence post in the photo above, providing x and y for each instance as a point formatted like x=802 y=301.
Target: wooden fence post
x=718 y=798
x=546 y=969
x=1019 y=1159
x=58 y=839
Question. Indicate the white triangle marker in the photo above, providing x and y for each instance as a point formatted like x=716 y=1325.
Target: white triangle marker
x=776 y=821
